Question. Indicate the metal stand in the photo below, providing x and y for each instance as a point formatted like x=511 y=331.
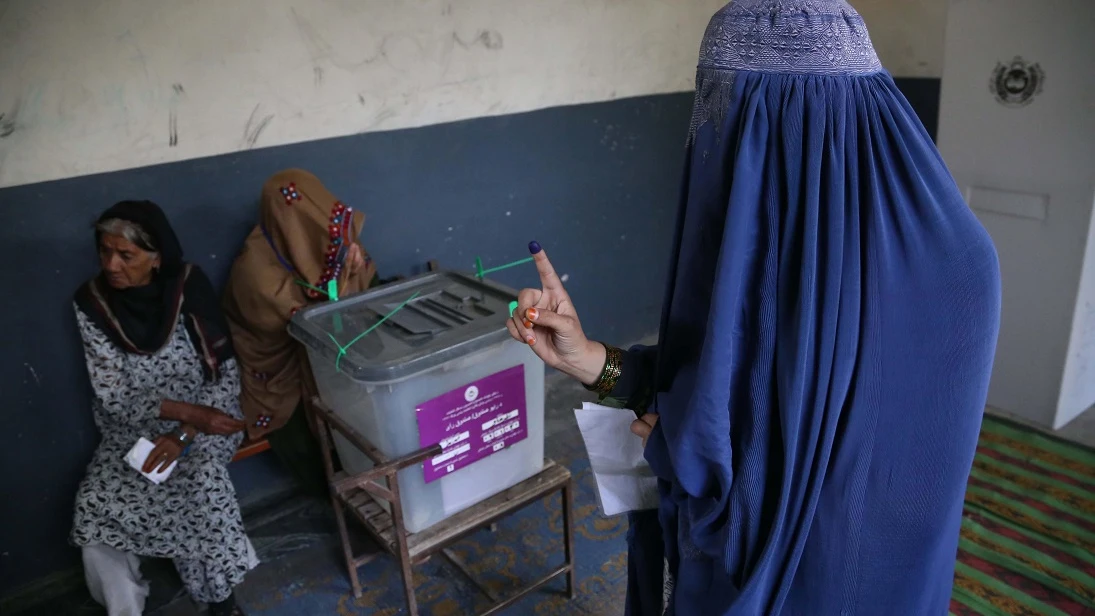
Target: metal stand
x=365 y=494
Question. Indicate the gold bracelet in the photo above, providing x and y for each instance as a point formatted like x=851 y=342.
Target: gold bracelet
x=610 y=374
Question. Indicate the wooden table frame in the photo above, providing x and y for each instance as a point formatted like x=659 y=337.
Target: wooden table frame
x=365 y=495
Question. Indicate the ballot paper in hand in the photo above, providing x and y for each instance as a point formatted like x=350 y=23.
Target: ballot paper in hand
x=625 y=481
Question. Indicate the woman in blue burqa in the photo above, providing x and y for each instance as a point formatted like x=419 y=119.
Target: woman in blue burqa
x=827 y=336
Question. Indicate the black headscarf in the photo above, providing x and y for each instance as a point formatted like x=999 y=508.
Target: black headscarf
x=142 y=319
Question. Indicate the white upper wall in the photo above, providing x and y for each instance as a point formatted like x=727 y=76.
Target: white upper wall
x=908 y=35
x=89 y=86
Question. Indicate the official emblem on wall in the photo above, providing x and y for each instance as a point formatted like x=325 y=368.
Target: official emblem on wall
x=1016 y=83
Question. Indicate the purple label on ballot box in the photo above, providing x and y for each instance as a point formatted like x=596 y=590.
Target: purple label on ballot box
x=473 y=422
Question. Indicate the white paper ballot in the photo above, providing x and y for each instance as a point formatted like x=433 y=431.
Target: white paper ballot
x=625 y=481
x=137 y=456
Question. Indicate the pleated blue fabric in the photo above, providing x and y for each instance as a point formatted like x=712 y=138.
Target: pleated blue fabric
x=828 y=333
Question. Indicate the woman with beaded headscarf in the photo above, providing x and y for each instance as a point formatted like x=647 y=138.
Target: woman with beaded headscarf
x=305 y=241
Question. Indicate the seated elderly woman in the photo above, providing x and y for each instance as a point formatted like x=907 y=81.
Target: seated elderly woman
x=162 y=367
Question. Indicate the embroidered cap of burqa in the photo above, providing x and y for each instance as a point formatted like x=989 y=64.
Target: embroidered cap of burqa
x=828 y=333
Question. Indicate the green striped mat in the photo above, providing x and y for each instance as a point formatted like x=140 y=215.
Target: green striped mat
x=1028 y=530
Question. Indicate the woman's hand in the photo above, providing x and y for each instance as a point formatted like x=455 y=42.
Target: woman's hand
x=355 y=259
x=206 y=419
x=546 y=320
x=643 y=426
x=212 y=421
x=167 y=450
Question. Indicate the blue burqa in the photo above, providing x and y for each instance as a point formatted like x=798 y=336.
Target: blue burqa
x=829 y=329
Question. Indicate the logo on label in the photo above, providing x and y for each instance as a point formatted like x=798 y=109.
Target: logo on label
x=1016 y=83
x=471 y=393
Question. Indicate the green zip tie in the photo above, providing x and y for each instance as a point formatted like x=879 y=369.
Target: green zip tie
x=342 y=349
x=480 y=272
x=331 y=291
x=308 y=286
x=512 y=308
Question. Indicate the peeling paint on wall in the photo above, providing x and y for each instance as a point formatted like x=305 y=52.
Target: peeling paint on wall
x=106 y=73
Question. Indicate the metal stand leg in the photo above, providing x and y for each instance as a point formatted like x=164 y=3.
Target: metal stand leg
x=568 y=540
x=401 y=542
x=344 y=535
x=340 y=515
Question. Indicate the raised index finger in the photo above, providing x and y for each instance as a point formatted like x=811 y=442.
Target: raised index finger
x=549 y=280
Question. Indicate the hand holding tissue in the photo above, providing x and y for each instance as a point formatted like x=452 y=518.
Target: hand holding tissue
x=137 y=456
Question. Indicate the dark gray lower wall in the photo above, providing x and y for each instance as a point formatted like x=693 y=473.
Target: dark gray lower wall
x=596 y=184
x=923 y=94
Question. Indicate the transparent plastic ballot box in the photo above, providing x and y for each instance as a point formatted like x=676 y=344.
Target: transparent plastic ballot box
x=441 y=369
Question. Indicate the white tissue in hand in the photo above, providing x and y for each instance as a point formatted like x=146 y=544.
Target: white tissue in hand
x=139 y=454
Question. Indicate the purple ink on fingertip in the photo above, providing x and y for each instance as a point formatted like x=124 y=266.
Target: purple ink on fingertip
x=534 y=247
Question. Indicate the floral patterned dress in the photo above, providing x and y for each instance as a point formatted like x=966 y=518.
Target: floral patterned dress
x=193 y=517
